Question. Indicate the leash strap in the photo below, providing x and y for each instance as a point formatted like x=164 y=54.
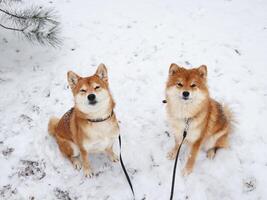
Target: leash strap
x=125 y=171
x=177 y=155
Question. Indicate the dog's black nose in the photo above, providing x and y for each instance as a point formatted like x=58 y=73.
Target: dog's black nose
x=91 y=97
x=186 y=94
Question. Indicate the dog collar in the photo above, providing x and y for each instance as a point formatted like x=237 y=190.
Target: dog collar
x=100 y=119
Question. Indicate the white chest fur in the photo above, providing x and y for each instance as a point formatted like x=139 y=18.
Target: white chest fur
x=178 y=110
x=100 y=136
x=178 y=127
x=193 y=133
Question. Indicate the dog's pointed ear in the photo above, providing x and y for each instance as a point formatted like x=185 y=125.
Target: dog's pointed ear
x=174 y=68
x=203 y=71
x=102 y=72
x=73 y=79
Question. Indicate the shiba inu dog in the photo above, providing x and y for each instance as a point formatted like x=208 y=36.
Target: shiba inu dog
x=189 y=104
x=91 y=125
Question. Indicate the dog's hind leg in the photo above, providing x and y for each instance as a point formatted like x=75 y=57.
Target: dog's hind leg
x=221 y=142
x=70 y=151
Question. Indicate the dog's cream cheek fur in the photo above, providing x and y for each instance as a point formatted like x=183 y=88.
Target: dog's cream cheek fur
x=98 y=110
x=179 y=108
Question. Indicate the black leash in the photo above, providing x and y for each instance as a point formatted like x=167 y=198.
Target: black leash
x=125 y=171
x=177 y=154
x=121 y=161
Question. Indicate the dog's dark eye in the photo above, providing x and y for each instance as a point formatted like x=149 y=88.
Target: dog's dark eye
x=193 y=85
x=97 y=87
x=82 y=90
x=180 y=84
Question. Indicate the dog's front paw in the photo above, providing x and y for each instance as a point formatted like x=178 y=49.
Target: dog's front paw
x=211 y=154
x=77 y=164
x=88 y=173
x=171 y=155
x=186 y=171
x=114 y=158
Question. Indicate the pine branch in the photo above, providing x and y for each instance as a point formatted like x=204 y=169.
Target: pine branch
x=9 y=1
x=9 y=28
x=35 y=23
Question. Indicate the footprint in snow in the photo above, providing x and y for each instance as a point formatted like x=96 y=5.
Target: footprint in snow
x=7 y=191
x=249 y=184
x=33 y=169
x=61 y=194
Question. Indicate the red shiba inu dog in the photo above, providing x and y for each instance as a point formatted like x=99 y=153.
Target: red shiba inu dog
x=189 y=104
x=91 y=125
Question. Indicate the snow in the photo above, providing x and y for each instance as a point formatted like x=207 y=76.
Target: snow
x=137 y=40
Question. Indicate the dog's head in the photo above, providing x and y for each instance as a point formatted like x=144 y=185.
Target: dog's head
x=187 y=85
x=91 y=94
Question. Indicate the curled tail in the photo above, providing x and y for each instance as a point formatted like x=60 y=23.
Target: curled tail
x=230 y=117
x=52 y=125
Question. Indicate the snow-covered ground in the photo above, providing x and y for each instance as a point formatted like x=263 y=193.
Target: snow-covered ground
x=137 y=40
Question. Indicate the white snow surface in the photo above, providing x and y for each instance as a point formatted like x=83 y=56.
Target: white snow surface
x=137 y=40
